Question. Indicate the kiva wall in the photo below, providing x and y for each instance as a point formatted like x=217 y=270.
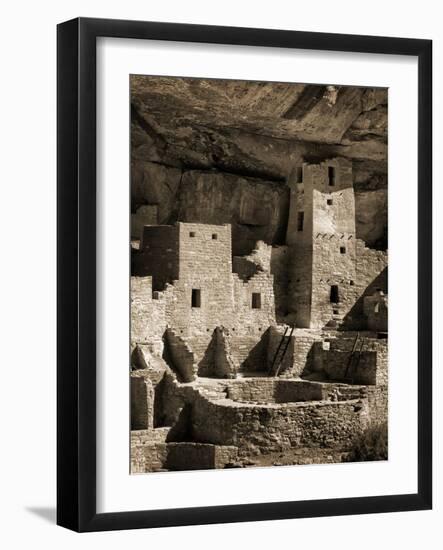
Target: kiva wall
x=275 y=428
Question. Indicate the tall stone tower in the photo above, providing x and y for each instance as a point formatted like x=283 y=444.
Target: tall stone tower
x=321 y=237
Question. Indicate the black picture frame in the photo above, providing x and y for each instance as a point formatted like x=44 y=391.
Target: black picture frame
x=76 y=294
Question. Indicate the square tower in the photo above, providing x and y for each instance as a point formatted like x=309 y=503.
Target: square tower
x=321 y=235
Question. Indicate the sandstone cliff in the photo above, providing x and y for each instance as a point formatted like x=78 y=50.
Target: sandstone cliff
x=221 y=151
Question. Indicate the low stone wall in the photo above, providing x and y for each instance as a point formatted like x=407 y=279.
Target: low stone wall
x=158 y=456
x=199 y=456
x=255 y=428
x=271 y=390
x=333 y=359
x=150 y=457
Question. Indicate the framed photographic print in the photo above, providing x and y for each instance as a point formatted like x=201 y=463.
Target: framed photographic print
x=229 y=203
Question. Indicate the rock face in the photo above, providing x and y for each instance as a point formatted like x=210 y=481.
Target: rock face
x=218 y=151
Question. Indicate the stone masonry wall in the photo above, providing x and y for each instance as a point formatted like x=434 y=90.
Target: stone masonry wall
x=271 y=390
x=375 y=308
x=299 y=353
x=324 y=251
x=225 y=300
x=205 y=267
x=142 y=402
x=148 y=314
x=180 y=357
x=372 y=368
x=278 y=427
x=159 y=254
x=154 y=457
x=371 y=273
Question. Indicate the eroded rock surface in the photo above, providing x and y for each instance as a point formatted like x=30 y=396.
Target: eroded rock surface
x=210 y=147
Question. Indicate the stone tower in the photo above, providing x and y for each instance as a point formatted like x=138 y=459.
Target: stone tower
x=321 y=237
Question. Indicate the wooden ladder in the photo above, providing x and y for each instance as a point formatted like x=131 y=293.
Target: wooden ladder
x=280 y=352
x=354 y=359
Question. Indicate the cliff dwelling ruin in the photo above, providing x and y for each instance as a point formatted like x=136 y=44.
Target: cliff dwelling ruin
x=258 y=310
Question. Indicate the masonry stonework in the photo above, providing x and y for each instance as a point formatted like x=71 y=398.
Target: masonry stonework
x=281 y=350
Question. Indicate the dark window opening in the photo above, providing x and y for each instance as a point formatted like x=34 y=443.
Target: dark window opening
x=335 y=311
x=343 y=250
x=256 y=300
x=351 y=283
x=300 y=221
x=299 y=174
x=329 y=202
x=334 y=296
x=192 y=234
x=331 y=175
x=214 y=236
x=196 y=297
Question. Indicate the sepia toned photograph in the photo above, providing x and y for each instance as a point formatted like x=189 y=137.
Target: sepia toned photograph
x=259 y=290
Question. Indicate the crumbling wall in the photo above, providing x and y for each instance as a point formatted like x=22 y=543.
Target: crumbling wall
x=180 y=356
x=271 y=390
x=224 y=365
x=158 y=255
x=371 y=275
x=375 y=308
x=247 y=349
x=147 y=377
x=369 y=365
x=186 y=455
x=142 y=402
x=278 y=427
x=298 y=357
x=148 y=314
x=150 y=457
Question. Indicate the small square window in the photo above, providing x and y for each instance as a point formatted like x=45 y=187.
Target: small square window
x=329 y=202
x=214 y=236
x=343 y=250
x=256 y=300
x=192 y=234
x=351 y=283
x=335 y=311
